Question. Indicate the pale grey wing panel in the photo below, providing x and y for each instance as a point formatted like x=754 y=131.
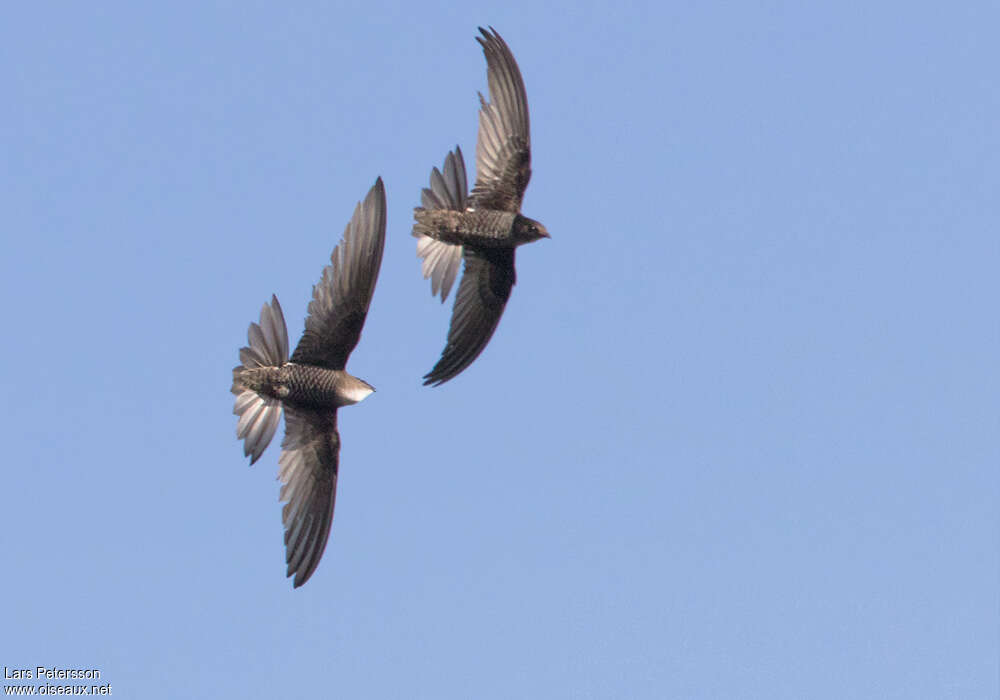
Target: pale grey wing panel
x=503 y=150
x=482 y=295
x=308 y=472
x=341 y=298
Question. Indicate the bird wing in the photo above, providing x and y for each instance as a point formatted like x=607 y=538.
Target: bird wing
x=308 y=472
x=449 y=190
x=503 y=151
x=341 y=298
x=482 y=294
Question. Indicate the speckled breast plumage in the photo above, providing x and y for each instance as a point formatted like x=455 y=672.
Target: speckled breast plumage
x=482 y=228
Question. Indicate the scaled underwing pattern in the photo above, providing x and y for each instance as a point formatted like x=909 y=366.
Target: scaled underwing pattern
x=310 y=387
x=482 y=228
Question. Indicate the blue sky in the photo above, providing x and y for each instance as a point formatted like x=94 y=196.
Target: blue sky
x=736 y=435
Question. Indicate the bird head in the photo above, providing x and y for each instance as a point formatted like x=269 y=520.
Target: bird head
x=355 y=390
x=528 y=230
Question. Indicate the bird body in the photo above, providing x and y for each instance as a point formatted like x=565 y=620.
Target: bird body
x=483 y=227
x=476 y=228
x=305 y=386
x=310 y=388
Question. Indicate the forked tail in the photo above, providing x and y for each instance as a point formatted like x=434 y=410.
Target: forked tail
x=268 y=347
x=449 y=190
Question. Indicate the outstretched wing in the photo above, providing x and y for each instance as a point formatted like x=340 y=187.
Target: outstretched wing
x=503 y=151
x=482 y=295
x=308 y=472
x=449 y=190
x=341 y=298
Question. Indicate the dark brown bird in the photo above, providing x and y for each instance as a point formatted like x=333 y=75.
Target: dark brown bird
x=482 y=228
x=312 y=385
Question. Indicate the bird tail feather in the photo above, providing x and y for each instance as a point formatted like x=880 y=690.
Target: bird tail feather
x=268 y=347
x=449 y=186
x=259 y=418
x=449 y=190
